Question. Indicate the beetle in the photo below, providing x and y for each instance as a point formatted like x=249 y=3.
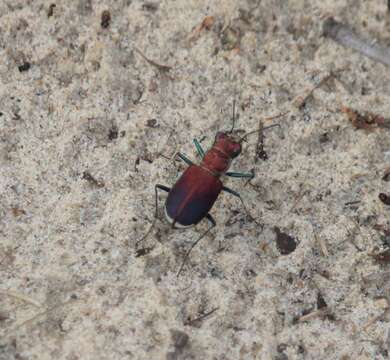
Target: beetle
x=195 y=192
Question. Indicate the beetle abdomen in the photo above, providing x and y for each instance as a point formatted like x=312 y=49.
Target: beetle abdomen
x=192 y=197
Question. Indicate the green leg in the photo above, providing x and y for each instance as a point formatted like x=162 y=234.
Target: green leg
x=240 y=175
x=232 y=192
x=199 y=148
x=185 y=159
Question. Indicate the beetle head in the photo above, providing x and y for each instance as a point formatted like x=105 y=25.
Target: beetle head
x=228 y=144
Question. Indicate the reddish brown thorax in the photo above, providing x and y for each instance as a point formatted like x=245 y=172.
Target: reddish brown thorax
x=225 y=148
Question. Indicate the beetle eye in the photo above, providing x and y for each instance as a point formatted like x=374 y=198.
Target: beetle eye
x=236 y=149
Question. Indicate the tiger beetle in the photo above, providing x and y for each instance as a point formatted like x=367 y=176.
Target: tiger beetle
x=195 y=192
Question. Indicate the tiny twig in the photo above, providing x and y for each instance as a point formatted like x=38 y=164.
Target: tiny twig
x=152 y=62
x=343 y=35
x=147 y=234
x=298 y=199
x=201 y=317
x=92 y=180
x=375 y=319
x=39 y=315
x=206 y=24
x=21 y=297
x=323 y=246
x=260 y=152
x=314 y=314
x=300 y=101
x=352 y=202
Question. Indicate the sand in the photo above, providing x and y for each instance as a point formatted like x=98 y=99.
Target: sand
x=88 y=126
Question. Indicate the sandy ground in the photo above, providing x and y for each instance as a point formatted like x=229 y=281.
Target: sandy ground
x=88 y=127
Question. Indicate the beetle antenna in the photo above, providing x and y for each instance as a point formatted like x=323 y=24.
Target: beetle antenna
x=233 y=116
x=257 y=131
x=265 y=128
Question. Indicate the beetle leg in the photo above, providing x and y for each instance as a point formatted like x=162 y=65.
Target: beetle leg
x=199 y=148
x=212 y=225
x=240 y=175
x=184 y=158
x=235 y=193
x=156 y=188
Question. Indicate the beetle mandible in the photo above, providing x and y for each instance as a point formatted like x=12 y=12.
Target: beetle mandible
x=195 y=192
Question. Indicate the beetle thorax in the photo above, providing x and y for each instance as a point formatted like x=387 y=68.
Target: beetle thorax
x=225 y=148
x=216 y=161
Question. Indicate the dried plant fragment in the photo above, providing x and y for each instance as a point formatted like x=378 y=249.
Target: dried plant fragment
x=206 y=24
x=201 y=317
x=382 y=228
x=382 y=257
x=346 y=37
x=17 y=212
x=365 y=120
x=105 y=19
x=143 y=251
x=230 y=38
x=161 y=67
x=50 y=11
x=96 y=183
x=386 y=176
